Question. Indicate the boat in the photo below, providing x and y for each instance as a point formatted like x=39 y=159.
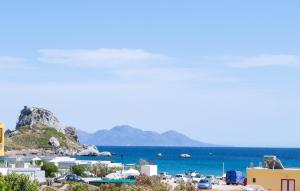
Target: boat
x=184 y=155
x=159 y=155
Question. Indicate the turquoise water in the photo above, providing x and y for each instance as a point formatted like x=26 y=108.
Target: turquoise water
x=204 y=160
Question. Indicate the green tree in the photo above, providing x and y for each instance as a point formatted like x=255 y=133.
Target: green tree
x=50 y=169
x=79 y=169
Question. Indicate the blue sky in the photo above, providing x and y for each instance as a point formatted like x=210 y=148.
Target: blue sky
x=224 y=72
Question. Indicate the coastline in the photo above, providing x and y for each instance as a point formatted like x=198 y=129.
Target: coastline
x=200 y=161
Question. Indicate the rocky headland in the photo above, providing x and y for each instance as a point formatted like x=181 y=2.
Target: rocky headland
x=38 y=131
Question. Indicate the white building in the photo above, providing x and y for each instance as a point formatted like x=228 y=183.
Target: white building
x=33 y=173
x=149 y=170
x=68 y=162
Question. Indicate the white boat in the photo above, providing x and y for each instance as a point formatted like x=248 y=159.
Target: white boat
x=185 y=156
x=159 y=155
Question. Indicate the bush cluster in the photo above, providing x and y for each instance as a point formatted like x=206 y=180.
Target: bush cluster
x=143 y=183
x=50 y=169
x=189 y=186
x=79 y=169
x=101 y=170
x=17 y=182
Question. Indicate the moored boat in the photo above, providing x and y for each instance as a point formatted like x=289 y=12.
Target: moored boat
x=184 y=155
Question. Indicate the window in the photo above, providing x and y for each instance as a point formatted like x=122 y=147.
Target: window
x=287 y=185
x=254 y=180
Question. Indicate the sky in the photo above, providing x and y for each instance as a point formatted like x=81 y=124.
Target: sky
x=223 y=72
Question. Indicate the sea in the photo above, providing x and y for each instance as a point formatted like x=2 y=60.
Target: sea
x=204 y=160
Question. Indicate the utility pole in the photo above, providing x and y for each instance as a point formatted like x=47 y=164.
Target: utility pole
x=223 y=169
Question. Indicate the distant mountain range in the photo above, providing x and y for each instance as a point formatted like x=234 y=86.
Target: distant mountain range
x=128 y=136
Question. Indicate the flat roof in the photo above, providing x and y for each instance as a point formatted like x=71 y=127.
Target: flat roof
x=109 y=181
x=261 y=168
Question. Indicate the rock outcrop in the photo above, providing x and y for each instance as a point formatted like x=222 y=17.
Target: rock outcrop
x=35 y=115
x=72 y=132
x=89 y=150
x=38 y=128
x=54 y=142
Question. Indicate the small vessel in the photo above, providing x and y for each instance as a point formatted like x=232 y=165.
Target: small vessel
x=159 y=155
x=184 y=155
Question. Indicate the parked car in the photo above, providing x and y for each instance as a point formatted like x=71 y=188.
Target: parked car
x=74 y=178
x=204 y=184
x=197 y=178
x=190 y=174
x=212 y=179
x=164 y=175
x=180 y=178
x=61 y=178
x=234 y=177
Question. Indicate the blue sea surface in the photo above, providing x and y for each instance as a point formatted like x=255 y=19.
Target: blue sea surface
x=204 y=160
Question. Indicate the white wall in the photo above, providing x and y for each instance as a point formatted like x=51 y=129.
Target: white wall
x=33 y=173
x=149 y=170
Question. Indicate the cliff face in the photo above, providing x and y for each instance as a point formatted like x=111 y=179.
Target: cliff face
x=34 y=115
x=38 y=128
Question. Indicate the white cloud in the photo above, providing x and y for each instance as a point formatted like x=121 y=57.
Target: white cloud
x=263 y=60
x=12 y=63
x=132 y=65
x=172 y=75
x=103 y=57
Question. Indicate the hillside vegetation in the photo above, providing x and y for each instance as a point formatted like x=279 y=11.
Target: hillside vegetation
x=37 y=137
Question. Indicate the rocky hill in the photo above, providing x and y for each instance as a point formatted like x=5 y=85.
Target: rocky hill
x=38 y=128
x=129 y=136
x=31 y=116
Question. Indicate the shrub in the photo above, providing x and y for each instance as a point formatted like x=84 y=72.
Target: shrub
x=143 y=180
x=38 y=162
x=50 y=169
x=101 y=170
x=3 y=186
x=18 y=182
x=189 y=186
x=113 y=187
x=152 y=183
x=79 y=187
x=79 y=169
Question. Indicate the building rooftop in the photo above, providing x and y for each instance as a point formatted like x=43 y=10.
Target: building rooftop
x=262 y=168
